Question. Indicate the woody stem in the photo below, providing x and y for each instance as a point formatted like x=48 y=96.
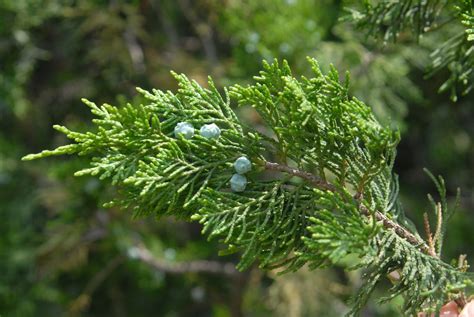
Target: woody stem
x=387 y=223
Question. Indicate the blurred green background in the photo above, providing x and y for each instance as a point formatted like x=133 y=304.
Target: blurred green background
x=62 y=254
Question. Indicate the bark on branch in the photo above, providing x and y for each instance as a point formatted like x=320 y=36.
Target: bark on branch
x=319 y=183
x=197 y=266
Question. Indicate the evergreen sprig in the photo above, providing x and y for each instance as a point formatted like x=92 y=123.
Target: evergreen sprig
x=389 y=20
x=457 y=55
x=321 y=187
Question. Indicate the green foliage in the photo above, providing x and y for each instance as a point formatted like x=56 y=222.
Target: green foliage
x=425 y=280
x=389 y=19
x=467 y=18
x=457 y=55
x=337 y=230
x=317 y=124
x=337 y=196
x=392 y=20
x=267 y=223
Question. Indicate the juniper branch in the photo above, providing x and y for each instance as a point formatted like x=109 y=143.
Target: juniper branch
x=151 y=153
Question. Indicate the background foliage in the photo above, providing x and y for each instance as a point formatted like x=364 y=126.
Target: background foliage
x=62 y=253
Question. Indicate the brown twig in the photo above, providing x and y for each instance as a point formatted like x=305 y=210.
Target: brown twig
x=429 y=235
x=317 y=182
x=439 y=222
x=313 y=179
x=141 y=253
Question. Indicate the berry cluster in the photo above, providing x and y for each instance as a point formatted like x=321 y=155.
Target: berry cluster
x=238 y=182
x=186 y=129
x=242 y=165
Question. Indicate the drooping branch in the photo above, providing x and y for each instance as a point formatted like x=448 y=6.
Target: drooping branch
x=319 y=183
